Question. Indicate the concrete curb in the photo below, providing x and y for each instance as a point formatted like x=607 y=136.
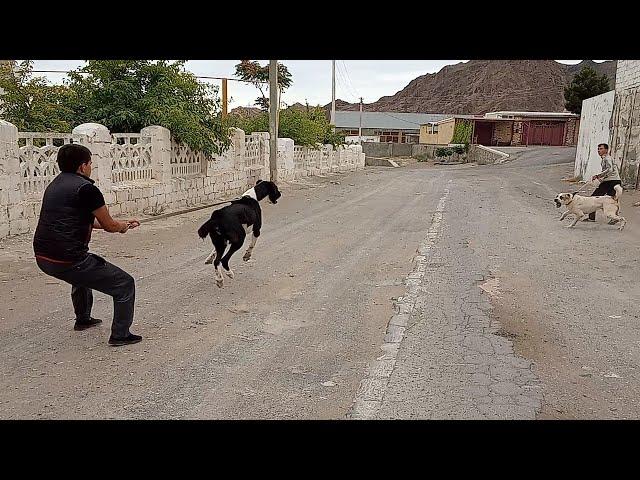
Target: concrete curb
x=380 y=162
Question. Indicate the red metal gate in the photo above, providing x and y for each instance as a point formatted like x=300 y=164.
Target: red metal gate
x=544 y=133
x=483 y=133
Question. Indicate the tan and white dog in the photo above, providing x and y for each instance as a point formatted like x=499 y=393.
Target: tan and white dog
x=581 y=207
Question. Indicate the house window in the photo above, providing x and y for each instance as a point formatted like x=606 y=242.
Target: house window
x=435 y=129
x=388 y=136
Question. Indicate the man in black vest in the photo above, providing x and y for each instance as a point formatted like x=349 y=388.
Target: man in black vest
x=71 y=207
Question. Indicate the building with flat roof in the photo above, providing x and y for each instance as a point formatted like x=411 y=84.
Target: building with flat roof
x=388 y=126
x=507 y=128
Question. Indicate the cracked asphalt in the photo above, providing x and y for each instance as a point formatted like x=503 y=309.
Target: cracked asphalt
x=496 y=310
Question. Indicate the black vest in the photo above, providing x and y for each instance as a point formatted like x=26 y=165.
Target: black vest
x=64 y=227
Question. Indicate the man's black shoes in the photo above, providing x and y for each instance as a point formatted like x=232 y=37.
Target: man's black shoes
x=84 y=324
x=128 y=340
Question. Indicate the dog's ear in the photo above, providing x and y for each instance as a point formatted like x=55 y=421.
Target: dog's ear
x=258 y=182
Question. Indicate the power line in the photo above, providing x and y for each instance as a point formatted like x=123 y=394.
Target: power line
x=341 y=80
x=398 y=118
x=197 y=76
x=348 y=87
x=349 y=78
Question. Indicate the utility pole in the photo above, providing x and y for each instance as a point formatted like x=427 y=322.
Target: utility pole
x=224 y=98
x=360 y=127
x=333 y=94
x=273 y=119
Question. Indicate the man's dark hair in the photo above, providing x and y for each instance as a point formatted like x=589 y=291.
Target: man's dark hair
x=71 y=156
x=603 y=145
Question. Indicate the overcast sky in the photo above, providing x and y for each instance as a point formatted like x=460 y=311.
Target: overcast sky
x=311 y=78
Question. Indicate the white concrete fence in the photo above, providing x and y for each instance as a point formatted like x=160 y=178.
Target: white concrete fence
x=148 y=172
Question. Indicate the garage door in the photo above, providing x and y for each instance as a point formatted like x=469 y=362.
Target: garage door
x=544 y=133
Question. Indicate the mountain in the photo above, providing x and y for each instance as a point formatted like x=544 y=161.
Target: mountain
x=481 y=86
x=246 y=111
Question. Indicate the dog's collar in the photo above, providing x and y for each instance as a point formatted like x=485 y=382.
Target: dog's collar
x=571 y=200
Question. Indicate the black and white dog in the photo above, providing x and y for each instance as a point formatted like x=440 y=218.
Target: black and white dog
x=231 y=224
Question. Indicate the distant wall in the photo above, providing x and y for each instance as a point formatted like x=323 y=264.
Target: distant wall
x=594 y=129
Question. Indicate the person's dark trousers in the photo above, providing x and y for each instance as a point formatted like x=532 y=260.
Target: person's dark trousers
x=95 y=273
x=605 y=188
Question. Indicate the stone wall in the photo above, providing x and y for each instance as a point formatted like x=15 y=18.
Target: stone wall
x=387 y=149
x=594 y=129
x=572 y=130
x=485 y=156
x=377 y=149
x=518 y=129
x=502 y=133
x=428 y=151
x=148 y=172
x=625 y=134
x=627 y=74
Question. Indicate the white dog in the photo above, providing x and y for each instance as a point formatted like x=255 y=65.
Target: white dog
x=581 y=206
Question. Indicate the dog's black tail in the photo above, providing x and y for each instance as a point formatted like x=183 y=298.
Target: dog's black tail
x=210 y=227
x=203 y=231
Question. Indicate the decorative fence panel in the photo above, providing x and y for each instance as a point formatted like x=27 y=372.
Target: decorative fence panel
x=38 y=153
x=130 y=157
x=184 y=161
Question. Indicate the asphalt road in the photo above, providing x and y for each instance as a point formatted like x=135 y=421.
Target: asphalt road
x=513 y=316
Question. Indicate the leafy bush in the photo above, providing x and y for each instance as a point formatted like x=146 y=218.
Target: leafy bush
x=462 y=132
x=444 y=152
x=123 y=95
x=128 y=95
x=30 y=103
x=308 y=127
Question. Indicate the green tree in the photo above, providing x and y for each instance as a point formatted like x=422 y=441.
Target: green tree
x=128 y=95
x=462 y=133
x=308 y=127
x=30 y=103
x=251 y=71
x=585 y=84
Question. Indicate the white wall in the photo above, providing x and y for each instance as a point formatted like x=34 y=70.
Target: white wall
x=157 y=173
x=594 y=129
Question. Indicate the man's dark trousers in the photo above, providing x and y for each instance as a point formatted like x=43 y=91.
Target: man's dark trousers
x=605 y=188
x=95 y=273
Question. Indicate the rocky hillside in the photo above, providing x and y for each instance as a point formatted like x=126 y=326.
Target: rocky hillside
x=481 y=86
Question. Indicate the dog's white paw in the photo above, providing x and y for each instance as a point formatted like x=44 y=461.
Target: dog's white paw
x=229 y=273
x=208 y=261
x=219 y=283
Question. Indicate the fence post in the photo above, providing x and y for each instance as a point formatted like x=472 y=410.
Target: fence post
x=97 y=138
x=10 y=192
x=11 y=195
x=160 y=152
x=237 y=149
x=286 y=165
x=265 y=148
